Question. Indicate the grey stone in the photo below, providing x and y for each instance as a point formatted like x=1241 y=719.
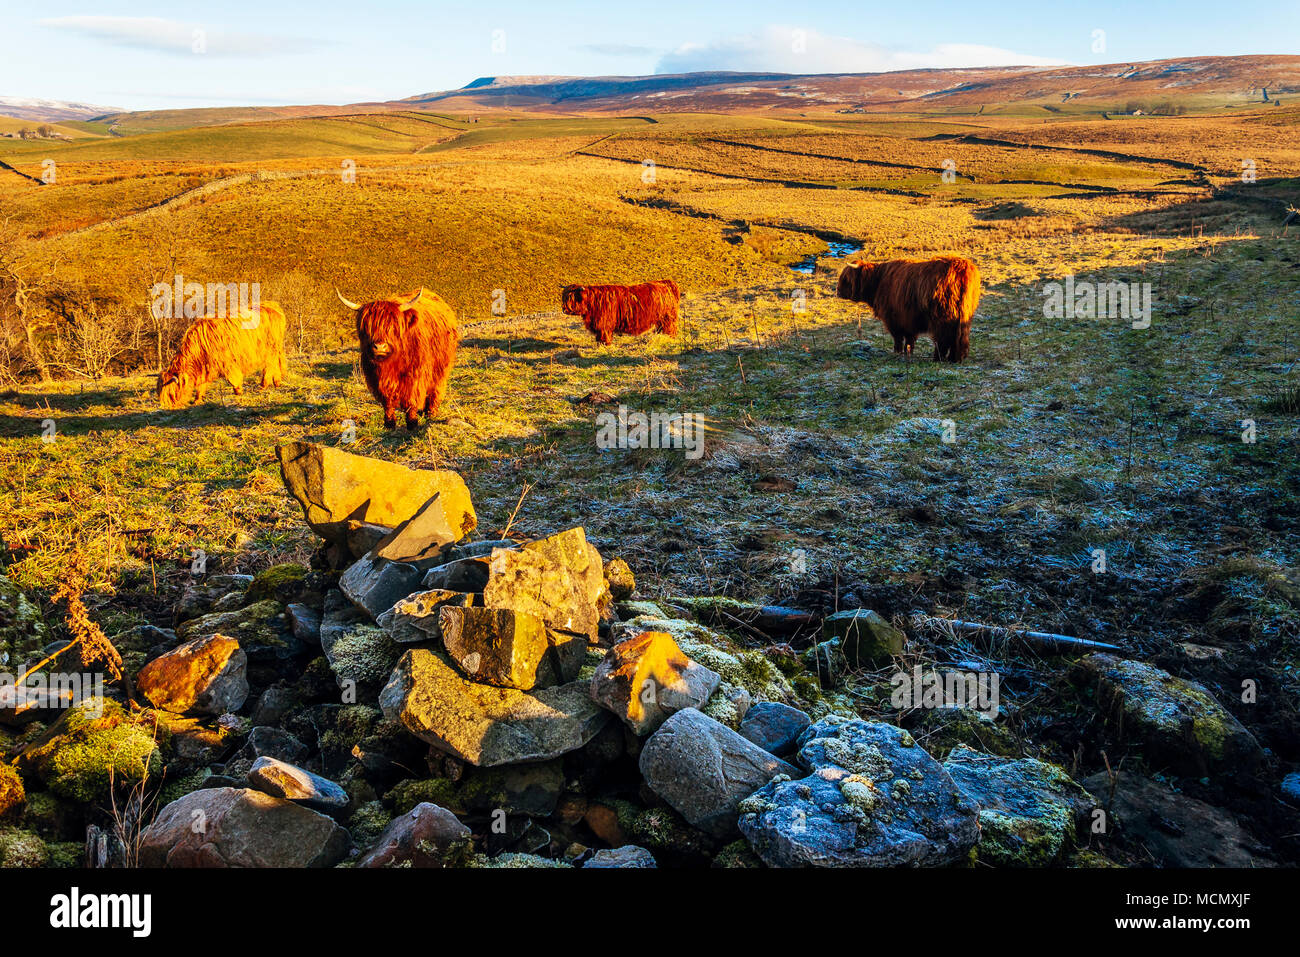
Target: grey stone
x=629 y=855
x=375 y=584
x=646 y=677
x=873 y=798
x=464 y=574
x=425 y=836
x=304 y=622
x=284 y=780
x=704 y=769
x=241 y=828
x=1180 y=725
x=865 y=639
x=774 y=727
x=414 y=619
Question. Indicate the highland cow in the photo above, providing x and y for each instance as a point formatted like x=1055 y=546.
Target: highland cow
x=624 y=310
x=407 y=351
x=226 y=347
x=934 y=297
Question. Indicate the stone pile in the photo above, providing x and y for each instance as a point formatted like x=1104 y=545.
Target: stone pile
x=422 y=698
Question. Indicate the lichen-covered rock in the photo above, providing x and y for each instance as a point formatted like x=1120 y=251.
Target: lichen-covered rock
x=629 y=855
x=1028 y=809
x=284 y=780
x=425 y=836
x=728 y=705
x=20 y=848
x=866 y=640
x=92 y=743
x=261 y=630
x=204 y=676
x=751 y=670
x=482 y=724
x=873 y=798
x=704 y=769
x=512 y=861
x=12 y=794
x=360 y=654
x=240 y=827
x=335 y=487
x=1179 y=724
x=774 y=727
x=645 y=678
x=265 y=742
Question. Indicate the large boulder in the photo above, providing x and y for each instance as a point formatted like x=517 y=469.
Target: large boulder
x=704 y=770
x=645 y=678
x=335 y=487
x=1029 y=810
x=204 y=676
x=873 y=798
x=558 y=579
x=1180 y=725
x=425 y=836
x=239 y=827
x=483 y=724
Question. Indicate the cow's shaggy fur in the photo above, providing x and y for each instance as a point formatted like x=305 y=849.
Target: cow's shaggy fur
x=934 y=297
x=229 y=348
x=408 y=347
x=624 y=310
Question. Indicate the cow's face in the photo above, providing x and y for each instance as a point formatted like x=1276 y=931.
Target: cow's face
x=571 y=301
x=858 y=283
x=173 y=390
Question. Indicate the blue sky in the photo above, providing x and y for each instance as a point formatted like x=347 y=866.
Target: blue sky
x=142 y=55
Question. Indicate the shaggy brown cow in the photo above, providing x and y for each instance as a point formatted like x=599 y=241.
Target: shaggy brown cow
x=625 y=310
x=229 y=347
x=408 y=347
x=934 y=297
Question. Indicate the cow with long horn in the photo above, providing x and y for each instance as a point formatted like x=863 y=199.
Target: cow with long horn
x=408 y=346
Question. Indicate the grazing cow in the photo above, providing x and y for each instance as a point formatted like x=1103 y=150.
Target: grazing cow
x=625 y=310
x=408 y=347
x=934 y=297
x=228 y=347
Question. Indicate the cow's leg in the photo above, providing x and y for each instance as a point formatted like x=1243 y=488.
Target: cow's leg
x=436 y=395
x=236 y=381
x=911 y=341
x=200 y=392
x=390 y=415
x=898 y=342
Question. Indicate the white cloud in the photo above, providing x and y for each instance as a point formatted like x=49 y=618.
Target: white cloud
x=784 y=49
x=172 y=36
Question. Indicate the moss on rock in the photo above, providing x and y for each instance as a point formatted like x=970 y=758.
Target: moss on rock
x=94 y=743
x=20 y=848
x=279 y=582
x=12 y=793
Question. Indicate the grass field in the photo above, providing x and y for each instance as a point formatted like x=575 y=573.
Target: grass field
x=1069 y=435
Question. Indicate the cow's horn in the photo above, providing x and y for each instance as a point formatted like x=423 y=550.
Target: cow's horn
x=347 y=302
x=414 y=299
